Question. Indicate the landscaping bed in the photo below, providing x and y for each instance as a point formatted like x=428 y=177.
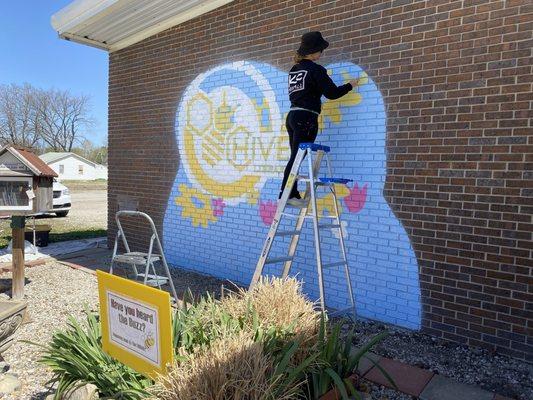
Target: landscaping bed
x=268 y=343
x=274 y=338
x=55 y=291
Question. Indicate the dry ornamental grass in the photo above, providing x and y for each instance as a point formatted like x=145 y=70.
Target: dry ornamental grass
x=235 y=366
x=279 y=303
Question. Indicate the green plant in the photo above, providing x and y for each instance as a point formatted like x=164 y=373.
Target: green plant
x=196 y=326
x=336 y=362
x=75 y=357
x=287 y=376
x=305 y=354
x=273 y=318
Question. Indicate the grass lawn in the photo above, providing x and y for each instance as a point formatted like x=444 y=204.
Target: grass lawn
x=99 y=184
x=60 y=232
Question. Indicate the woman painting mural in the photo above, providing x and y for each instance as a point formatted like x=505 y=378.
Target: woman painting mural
x=308 y=82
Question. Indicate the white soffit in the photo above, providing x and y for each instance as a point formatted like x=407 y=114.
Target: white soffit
x=115 y=24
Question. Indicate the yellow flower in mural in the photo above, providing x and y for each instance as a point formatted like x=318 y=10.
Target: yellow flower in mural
x=196 y=206
x=332 y=108
x=253 y=196
x=325 y=203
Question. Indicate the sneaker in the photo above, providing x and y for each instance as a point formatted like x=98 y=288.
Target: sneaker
x=297 y=202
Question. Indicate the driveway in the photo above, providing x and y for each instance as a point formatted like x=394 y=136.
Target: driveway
x=89 y=209
x=86 y=219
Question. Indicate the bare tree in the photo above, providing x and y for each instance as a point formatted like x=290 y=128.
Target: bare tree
x=92 y=152
x=63 y=118
x=36 y=118
x=18 y=117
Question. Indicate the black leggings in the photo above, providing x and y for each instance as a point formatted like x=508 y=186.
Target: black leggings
x=302 y=127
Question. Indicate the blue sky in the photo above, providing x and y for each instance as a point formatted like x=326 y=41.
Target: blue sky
x=32 y=52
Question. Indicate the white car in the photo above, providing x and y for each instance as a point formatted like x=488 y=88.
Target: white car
x=62 y=201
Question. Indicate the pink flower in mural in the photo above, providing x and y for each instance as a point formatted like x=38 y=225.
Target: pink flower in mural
x=267 y=209
x=355 y=201
x=218 y=207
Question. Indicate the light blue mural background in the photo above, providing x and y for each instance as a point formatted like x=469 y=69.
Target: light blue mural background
x=383 y=266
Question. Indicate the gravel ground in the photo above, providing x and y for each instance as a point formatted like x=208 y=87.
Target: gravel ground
x=496 y=373
x=378 y=392
x=89 y=211
x=54 y=292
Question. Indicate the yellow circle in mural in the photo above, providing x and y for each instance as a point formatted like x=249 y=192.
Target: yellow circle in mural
x=229 y=149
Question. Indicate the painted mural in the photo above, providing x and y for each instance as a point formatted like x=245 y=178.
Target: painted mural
x=233 y=147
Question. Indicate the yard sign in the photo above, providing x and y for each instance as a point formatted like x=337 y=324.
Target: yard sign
x=136 y=324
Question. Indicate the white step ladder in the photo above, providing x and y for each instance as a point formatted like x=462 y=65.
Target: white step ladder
x=310 y=202
x=141 y=259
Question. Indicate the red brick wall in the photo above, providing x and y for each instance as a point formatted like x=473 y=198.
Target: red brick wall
x=456 y=77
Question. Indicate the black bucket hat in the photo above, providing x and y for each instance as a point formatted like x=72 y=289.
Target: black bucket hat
x=312 y=42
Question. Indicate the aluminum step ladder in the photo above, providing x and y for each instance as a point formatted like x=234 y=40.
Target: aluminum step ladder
x=147 y=260
x=308 y=209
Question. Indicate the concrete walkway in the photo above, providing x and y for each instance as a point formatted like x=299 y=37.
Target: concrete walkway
x=420 y=383
x=53 y=251
x=58 y=248
x=93 y=259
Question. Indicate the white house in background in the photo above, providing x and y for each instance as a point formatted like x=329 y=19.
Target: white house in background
x=70 y=166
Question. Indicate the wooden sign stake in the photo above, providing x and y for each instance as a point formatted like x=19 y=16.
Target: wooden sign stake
x=17 y=228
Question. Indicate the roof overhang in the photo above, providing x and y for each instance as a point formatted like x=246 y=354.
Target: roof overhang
x=115 y=24
x=30 y=161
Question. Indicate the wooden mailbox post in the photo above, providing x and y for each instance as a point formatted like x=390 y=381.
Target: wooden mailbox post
x=25 y=188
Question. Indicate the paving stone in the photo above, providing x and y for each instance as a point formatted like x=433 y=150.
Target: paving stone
x=365 y=364
x=500 y=397
x=442 y=388
x=409 y=379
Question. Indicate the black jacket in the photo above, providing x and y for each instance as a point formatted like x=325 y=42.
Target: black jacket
x=308 y=82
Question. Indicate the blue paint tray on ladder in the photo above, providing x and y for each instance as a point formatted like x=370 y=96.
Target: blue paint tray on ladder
x=314 y=147
x=342 y=181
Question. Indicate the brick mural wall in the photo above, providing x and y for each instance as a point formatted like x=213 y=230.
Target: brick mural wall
x=439 y=144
